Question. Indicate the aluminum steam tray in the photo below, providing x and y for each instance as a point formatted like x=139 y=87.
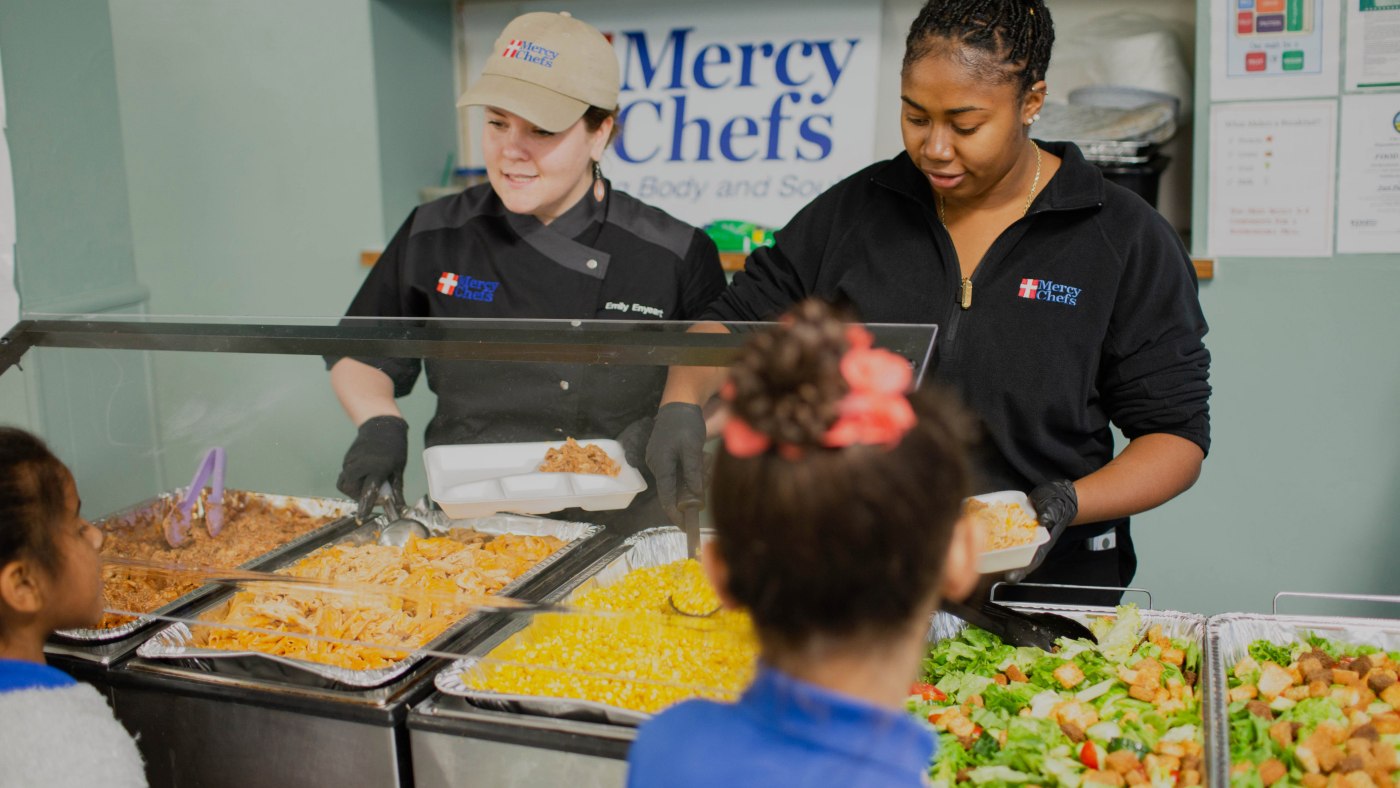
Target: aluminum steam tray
x=1227 y=640
x=176 y=642
x=336 y=508
x=652 y=547
x=1187 y=626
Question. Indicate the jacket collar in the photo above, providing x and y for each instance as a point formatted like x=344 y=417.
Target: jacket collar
x=1076 y=186
x=567 y=240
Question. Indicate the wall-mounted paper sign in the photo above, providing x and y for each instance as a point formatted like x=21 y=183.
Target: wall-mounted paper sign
x=1271 y=178
x=1267 y=49
x=1373 y=44
x=1368 y=186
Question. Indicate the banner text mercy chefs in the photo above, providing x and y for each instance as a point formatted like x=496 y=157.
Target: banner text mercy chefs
x=776 y=110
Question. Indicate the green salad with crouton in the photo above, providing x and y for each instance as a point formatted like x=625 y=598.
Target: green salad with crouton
x=1126 y=711
x=1315 y=713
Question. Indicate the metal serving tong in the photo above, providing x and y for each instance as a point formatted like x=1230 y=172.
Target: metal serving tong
x=400 y=526
x=179 y=520
x=1014 y=627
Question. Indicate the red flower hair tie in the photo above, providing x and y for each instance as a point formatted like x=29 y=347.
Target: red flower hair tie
x=874 y=412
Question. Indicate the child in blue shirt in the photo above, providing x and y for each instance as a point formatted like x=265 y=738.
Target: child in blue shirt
x=837 y=510
x=53 y=731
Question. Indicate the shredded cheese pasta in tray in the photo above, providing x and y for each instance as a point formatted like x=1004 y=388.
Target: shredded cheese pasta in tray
x=464 y=562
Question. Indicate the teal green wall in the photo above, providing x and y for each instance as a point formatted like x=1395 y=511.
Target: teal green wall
x=74 y=244
x=251 y=152
x=74 y=249
x=260 y=166
x=416 y=98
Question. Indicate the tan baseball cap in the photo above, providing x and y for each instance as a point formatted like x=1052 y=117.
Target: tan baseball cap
x=548 y=69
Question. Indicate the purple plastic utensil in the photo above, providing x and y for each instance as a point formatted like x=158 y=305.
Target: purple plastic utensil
x=214 y=504
x=178 y=522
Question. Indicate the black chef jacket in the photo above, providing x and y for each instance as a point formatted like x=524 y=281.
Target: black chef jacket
x=1083 y=312
x=466 y=256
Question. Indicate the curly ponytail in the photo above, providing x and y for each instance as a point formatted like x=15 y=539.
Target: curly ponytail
x=839 y=542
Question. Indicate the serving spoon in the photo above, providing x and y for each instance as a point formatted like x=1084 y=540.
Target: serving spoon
x=690 y=506
x=399 y=527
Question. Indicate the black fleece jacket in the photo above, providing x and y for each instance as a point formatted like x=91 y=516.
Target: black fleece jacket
x=1084 y=312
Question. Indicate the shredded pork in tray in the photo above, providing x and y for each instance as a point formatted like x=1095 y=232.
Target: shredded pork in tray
x=463 y=562
x=254 y=527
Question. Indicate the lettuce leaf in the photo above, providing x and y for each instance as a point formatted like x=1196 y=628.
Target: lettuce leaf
x=988 y=774
x=1118 y=636
x=952 y=758
x=1262 y=650
x=1010 y=698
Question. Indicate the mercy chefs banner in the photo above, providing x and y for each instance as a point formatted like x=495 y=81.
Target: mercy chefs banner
x=728 y=110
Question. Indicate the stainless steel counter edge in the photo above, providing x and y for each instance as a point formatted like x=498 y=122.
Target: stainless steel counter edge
x=440 y=714
x=386 y=706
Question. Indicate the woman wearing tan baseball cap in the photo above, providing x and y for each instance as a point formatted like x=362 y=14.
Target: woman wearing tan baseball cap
x=546 y=238
x=550 y=93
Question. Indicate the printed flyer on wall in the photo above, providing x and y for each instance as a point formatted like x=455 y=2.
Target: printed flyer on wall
x=1267 y=49
x=1271 y=176
x=729 y=109
x=1373 y=45
x=1368 y=185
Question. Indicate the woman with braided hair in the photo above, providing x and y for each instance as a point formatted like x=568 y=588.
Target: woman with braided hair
x=1065 y=304
x=837 y=513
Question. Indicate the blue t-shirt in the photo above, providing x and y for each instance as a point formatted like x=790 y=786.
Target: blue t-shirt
x=20 y=675
x=781 y=732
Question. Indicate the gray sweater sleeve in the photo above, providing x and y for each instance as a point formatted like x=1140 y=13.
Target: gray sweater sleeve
x=65 y=738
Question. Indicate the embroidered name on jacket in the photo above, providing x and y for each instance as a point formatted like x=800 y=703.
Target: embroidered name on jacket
x=467 y=288
x=529 y=52
x=1046 y=290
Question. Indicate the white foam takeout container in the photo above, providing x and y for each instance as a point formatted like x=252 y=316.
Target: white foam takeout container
x=455 y=480
x=1008 y=558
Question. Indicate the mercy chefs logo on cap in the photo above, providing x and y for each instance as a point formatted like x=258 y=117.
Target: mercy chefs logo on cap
x=466 y=288
x=521 y=76
x=530 y=52
x=1046 y=290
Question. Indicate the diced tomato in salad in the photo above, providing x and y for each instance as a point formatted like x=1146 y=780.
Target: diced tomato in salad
x=927 y=691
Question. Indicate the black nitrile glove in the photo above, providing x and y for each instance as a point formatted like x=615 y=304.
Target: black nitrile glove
x=1056 y=505
x=676 y=456
x=633 y=439
x=378 y=455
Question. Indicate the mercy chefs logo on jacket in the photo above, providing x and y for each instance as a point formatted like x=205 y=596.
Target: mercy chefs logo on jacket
x=467 y=288
x=1046 y=290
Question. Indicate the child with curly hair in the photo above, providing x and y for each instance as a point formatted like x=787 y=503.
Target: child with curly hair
x=838 y=527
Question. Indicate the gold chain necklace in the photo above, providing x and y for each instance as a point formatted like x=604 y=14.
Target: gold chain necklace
x=965 y=288
x=1030 y=197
